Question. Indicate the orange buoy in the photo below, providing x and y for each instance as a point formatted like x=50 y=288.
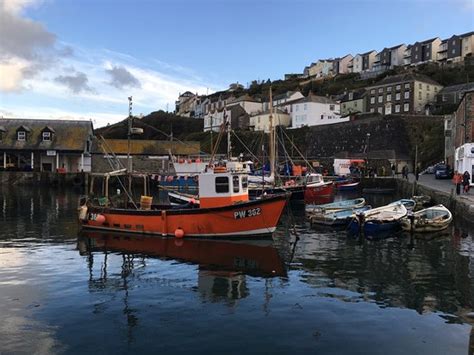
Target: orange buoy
x=179 y=233
x=100 y=218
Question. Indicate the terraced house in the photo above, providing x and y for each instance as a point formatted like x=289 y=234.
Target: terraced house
x=405 y=93
x=45 y=145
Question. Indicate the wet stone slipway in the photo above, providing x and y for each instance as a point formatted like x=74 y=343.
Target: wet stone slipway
x=323 y=293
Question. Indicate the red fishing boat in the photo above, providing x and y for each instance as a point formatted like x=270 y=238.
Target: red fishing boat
x=224 y=211
x=316 y=188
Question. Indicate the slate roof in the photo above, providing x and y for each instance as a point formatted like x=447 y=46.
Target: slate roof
x=68 y=135
x=356 y=95
x=395 y=79
x=145 y=147
x=457 y=88
x=311 y=98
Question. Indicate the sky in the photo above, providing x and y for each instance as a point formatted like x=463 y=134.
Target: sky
x=82 y=59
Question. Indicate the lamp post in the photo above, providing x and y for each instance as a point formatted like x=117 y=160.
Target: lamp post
x=367 y=153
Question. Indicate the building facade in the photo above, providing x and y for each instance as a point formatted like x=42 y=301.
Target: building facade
x=353 y=102
x=341 y=65
x=261 y=121
x=405 y=93
x=45 y=145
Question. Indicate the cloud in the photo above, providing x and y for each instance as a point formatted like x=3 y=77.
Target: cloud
x=120 y=77
x=26 y=47
x=77 y=83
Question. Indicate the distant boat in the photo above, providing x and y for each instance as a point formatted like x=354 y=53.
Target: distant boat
x=385 y=218
x=432 y=219
x=378 y=190
x=338 y=205
x=337 y=218
x=408 y=203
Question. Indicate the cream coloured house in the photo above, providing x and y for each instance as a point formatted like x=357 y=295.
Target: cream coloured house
x=261 y=121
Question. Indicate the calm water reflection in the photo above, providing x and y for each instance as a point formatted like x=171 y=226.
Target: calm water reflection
x=319 y=293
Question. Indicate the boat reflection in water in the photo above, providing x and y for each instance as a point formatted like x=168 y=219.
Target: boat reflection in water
x=223 y=265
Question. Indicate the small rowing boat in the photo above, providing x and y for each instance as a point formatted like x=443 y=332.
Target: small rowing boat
x=336 y=206
x=348 y=186
x=337 y=218
x=432 y=219
x=408 y=203
x=379 y=219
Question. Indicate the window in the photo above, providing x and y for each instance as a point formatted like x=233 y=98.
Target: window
x=435 y=89
x=380 y=90
x=420 y=86
x=397 y=96
x=428 y=87
x=398 y=87
x=454 y=41
x=355 y=103
x=46 y=136
x=322 y=116
x=21 y=136
x=372 y=91
x=331 y=107
x=372 y=100
x=444 y=98
x=416 y=49
x=305 y=106
x=407 y=85
x=222 y=184
x=406 y=107
x=419 y=95
x=296 y=107
x=244 y=183
x=407 y=95
x=380 y=110
x=389 y=97
x=380 y=99
x=416 y=56
x=372 y=110
x=389 y=89
x=351 y=96
x=235 y=183
x=397 y=108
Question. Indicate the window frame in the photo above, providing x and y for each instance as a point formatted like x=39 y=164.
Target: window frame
x=23 y=134
x=235 y=179
x=221 y=185
x=48 y=134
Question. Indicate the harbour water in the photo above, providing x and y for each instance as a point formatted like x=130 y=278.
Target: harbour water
x=308 y=291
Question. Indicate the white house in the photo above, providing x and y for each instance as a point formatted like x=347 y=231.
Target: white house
x=313 y=111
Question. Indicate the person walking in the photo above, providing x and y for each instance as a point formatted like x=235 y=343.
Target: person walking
x=457 y=179
x=393 y=170
x=405 y=172
x=466 y=177
x=417 y=173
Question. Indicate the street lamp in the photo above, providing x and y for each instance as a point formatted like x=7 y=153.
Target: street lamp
x=367 y=152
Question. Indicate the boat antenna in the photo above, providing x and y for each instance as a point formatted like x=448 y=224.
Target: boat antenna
x=272 y=140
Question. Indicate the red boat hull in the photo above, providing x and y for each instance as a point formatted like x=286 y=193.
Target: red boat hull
x=246 y=219
x=316 y=193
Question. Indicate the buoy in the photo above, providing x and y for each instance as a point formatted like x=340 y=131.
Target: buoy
x=179 y=233
x=192 y=201
x=100 y=218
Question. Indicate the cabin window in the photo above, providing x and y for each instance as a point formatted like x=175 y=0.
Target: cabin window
x=46 y=136
x=235 y=183
x=244 y=182
x=21 y=136
x=222 y=184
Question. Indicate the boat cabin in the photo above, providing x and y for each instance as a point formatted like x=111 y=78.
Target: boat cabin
x=223 y=186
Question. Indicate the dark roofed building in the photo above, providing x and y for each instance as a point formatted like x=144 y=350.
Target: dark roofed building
x=45 y=145
x=353 y=102
x=449 y=97
x=405 y=93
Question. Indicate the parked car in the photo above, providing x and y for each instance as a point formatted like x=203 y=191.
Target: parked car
x=442 y=171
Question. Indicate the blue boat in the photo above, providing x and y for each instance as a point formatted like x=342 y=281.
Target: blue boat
x=379 y=219
x=336 y=206
x=337 y=218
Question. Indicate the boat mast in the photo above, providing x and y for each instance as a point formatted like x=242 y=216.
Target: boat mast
x=272 y=140
x=129 y=136
x=228 y=126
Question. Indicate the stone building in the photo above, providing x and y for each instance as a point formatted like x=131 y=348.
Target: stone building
x=45 y=145
x=405 y=93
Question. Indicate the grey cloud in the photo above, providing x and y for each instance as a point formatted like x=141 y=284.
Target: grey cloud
x=23 y=38
x=121 y=77
x=77 y=83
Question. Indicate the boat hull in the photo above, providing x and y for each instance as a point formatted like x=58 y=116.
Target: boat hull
x=247 y=219
x=313 y=193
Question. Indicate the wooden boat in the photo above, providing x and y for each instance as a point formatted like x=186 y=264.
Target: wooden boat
x=337 y=218
x=316 y=187
x=408 y=203
x=253 y=257
x=432 y=219
x=224 y=211
x=336 y=206
x=379 y=219
x=422 y=201
x=378 y=190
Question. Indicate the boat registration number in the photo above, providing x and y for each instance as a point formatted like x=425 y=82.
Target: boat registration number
x=247 y=213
